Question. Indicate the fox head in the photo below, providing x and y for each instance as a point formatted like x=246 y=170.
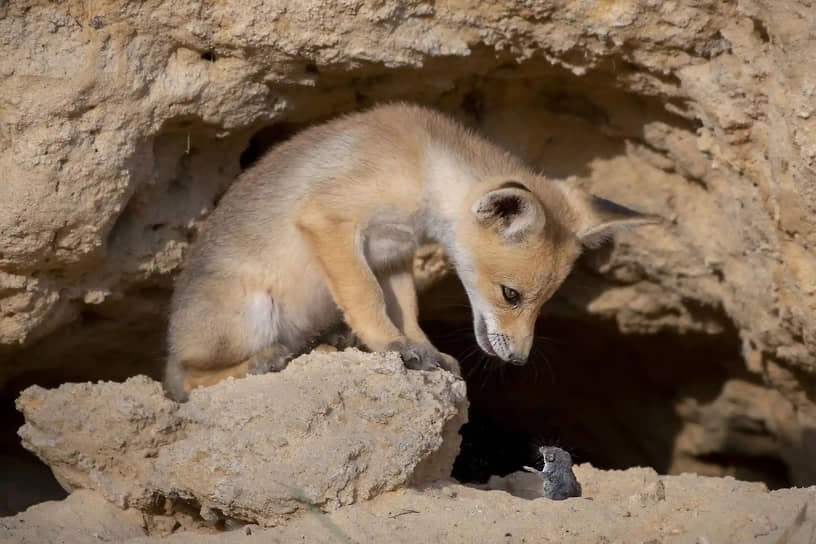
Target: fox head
x=520 y=239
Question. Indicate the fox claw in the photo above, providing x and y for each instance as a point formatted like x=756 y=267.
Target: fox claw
x=415 y=356
x=450 y=364
x=422 y=356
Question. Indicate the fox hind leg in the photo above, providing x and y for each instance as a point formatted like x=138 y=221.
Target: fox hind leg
x=181 y=377
x=213 y=340
x=271 y=359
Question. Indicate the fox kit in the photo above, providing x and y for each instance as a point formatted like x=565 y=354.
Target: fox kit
x=323 y=228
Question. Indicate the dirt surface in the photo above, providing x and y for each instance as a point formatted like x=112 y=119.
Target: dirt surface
x=342 y=447
x=85 y=516
x=629 y=506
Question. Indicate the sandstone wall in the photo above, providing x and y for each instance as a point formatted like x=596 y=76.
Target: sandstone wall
x=121 y=124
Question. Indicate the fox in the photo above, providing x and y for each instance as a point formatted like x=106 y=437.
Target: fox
x=320 y=232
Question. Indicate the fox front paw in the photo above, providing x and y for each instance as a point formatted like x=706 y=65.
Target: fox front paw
x=450 y=364
x=423 y=356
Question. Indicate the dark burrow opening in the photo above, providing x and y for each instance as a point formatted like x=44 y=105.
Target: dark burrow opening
x=24 y=479
x=606 y=397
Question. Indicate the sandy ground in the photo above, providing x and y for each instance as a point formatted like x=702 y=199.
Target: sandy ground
x=632 y=506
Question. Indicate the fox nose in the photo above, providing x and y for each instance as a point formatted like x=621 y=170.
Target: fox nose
x=517 y=359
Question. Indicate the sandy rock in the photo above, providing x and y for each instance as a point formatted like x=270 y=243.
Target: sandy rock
x=689 y=510
x=695 y=509
x=330 y=430
x=83 y=517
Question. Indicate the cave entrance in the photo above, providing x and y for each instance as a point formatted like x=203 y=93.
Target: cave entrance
x=607 y=397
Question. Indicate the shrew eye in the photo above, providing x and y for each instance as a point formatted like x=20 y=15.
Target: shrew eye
x=511 y=295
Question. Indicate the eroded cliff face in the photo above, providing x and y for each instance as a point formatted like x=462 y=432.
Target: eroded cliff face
x=122 y=124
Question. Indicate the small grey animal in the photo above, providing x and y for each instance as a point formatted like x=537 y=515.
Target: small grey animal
x=558 y=479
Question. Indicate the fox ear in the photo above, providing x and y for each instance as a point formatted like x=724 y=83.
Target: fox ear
x=512 y=212
x=597 y=219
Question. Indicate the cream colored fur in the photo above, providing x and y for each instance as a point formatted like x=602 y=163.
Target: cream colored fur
x=322 y=229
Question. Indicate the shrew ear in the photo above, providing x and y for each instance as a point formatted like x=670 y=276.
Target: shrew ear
x=597 y=219
x=512 y=212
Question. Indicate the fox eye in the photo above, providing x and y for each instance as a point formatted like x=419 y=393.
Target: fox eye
x=511 y=295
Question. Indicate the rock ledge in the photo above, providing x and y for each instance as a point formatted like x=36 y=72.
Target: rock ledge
x=330 y=430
